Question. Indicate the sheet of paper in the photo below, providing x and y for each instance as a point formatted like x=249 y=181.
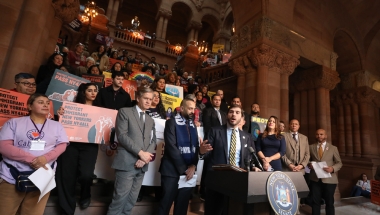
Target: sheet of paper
x=187 y=183
x=318 y=168
x=44 y=180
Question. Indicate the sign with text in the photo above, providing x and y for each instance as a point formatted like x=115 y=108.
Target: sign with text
x=375 y=192
x=170 y=103
x=96 y=79
x=88 y=124
x=173 y=90
x=107 y=79
x=136 y=67
x=217 y=47
x=63 y=87
x=14 y=104
x=258 y=126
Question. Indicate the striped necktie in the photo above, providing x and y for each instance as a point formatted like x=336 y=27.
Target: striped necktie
x=233 y=148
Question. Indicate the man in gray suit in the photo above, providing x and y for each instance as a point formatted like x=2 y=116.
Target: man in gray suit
x=136 y=135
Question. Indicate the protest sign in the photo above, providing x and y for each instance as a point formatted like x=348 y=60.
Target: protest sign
x=210 y=93
x=170 y=103
x=217 y=47
x=107 y=79
x=136 y=67
x=88 y=124
x=139 y=76
x=173 y=90
x=96 y=79
x=130 y=87
x=63 y=87
x=113 y=61
x=375 y=192
x=258 y=126
x=14 y=104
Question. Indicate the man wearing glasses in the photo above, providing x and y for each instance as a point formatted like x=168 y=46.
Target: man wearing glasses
x=25 y=83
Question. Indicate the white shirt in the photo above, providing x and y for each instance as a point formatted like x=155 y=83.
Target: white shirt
x=238 y=144
x=296 y=135
x=366 y=185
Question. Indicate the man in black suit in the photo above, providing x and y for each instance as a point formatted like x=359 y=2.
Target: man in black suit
x=180 y=158
x=225 y=144
x=213 y=116
x=223 y=104
x=114 y=96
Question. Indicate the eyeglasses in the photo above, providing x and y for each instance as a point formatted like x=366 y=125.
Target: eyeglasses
x=27 y=84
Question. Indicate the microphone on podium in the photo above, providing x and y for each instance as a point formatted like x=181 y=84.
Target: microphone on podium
x=252 y=151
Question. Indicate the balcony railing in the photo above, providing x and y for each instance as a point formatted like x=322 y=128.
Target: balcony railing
x=135 y=38
x=216 y=73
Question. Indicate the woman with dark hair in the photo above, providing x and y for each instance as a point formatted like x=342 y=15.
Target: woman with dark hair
x=362 y=187
x=117 y=67
x=192 y=89
x=45 y=72
x=101 y=58
x=27 y=144
x=271 y=146
x=206 y=98
x=159 y=85
x=94 y=70
x=156 y=109
x=171 y=78
x=114 y=55
x=78 y=162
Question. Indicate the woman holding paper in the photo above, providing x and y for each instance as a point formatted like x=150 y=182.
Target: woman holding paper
x=271 y=146
x=27 y=144
x=78 y=162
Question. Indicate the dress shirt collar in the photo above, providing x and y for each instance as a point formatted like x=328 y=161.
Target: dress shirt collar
x=323 y=145
x=139 y=109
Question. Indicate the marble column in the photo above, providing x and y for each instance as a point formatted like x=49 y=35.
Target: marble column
x=341 y=131
x=356 y=129
x=304 y=118
x=190 y=35
x=288 y=65
x=237 y=66
x=115 y=11
x=160 y=23
x=164 y=28
x=348 y=129
x=109 y=9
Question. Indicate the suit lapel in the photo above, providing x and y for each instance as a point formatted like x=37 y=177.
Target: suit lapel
x=243 y=142
x=137 y=117
x=291 y=140
x=223 y=134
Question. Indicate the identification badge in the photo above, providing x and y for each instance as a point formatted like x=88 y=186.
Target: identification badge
x=37 y=145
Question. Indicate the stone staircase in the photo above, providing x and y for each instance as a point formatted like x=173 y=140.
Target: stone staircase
x=102 y=195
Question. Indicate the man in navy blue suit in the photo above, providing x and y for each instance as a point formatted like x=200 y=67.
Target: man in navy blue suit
x=225 y=144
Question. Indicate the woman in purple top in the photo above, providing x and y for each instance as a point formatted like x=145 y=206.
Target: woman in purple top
x=28 y=143
x=271 y=145
x=78 y=162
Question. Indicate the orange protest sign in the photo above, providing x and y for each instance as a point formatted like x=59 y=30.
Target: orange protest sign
x=14 y=104
x=88 y=124
x=130 y=87
x=136 y=67
x=375 y=192
x=113 y=61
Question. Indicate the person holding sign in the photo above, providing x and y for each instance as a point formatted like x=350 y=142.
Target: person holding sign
x=136 y=134
x=27 y=144
x=180 y=159
x=271 y=146
x=324 y=187
x=78 y=162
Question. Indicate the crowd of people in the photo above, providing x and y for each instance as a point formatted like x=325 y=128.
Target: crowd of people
x=30 y=142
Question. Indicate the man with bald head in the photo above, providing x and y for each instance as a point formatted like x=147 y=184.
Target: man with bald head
x=324 y=187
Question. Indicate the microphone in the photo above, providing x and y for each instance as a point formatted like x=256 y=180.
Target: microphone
x=252 y=151
x=247 y=164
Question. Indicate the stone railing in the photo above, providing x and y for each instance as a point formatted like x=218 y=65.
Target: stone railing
x=150 y=44
x=216 y=73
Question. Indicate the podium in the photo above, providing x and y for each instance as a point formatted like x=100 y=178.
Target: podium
x=247 y=191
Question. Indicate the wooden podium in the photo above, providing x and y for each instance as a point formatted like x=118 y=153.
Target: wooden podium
x=247 y=191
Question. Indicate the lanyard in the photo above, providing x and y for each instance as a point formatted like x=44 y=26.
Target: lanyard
x=39 y=131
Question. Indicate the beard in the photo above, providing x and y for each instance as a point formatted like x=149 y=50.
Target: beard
x=188 y=116
x=254 y=112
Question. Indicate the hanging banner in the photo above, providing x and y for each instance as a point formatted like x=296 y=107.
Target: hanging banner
x=170 y=103
x=14 y=104
x=258 y=126
x=63 y=87
x=96 y=79
x=173 y=90
x=88 y=124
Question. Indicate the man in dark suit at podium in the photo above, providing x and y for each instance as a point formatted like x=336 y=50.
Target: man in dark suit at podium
x=225 y=144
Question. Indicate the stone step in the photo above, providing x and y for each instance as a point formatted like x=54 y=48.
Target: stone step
x=102 y=195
